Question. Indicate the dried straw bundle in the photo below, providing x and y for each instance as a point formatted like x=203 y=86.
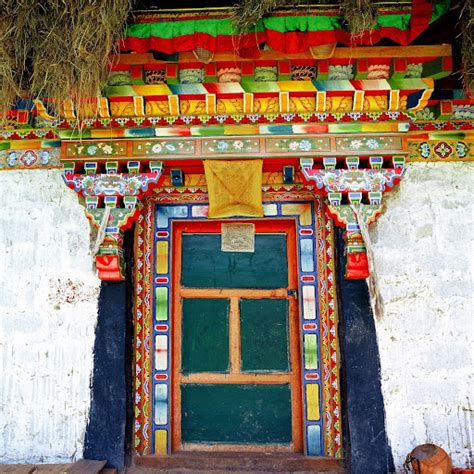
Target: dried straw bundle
x=467 y=45
x=58 y=49
x=359 y=15
x=17 y=39
x=247 y=13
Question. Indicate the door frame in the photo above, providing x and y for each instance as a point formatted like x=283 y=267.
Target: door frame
x=318 y=314
x=262 y=226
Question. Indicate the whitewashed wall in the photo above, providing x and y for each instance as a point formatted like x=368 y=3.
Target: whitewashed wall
x=48 y=313
x=424 y=257
x=48 y=310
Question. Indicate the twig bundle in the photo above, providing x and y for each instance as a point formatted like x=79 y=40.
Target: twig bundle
x=57 y=49
x=360 y=16
x=467 y=45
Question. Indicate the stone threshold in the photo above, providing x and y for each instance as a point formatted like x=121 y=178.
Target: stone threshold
x=204 y=462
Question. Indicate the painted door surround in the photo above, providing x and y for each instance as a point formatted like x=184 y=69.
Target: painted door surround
x=321 y=423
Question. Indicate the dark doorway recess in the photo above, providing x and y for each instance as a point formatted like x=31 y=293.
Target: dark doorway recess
x=365 y=437
x=109 y=431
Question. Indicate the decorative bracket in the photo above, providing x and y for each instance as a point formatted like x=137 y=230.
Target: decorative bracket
x=111 y=200
x=354 y=193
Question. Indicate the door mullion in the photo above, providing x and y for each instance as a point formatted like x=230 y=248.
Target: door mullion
x=234 y=336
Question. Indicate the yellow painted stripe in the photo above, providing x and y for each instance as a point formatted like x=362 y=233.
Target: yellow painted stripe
x=247 y=129
x=173 y=101
x=358 y=101
x=312 y=402
x=394 y=100
x=211 y=104
x=248 y=103
x=162 y=257
x=103 y=104
x=320 y=101
x=161 y=437
x=284 y=102
x=139 y=106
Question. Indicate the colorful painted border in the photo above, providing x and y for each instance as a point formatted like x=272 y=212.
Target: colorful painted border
x=320 y=378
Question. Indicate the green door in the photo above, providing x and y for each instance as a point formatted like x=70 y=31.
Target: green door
x=236 y=377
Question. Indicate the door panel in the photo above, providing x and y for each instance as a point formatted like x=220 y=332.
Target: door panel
x=206 y=266
x=236 y=363
x=236 y=414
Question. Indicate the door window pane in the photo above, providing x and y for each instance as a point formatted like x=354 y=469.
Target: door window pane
x=264 y=335
x=205 y=335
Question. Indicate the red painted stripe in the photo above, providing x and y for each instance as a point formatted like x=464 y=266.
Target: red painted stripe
x=161 y=327
x=161 y=377
x=307 y=278
x=311 y=376
x=161 y=280
x=306 y=231
x=309 y=327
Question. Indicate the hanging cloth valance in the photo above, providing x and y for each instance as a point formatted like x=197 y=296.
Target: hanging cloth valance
x=289 y=33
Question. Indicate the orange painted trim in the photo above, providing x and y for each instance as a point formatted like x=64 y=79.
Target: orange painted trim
x=287 y=226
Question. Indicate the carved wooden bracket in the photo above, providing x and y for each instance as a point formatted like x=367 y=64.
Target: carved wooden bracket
x=354 y=193
x=110 y=199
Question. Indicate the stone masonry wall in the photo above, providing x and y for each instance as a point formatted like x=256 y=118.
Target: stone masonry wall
x=48 y=312
x=424 y=255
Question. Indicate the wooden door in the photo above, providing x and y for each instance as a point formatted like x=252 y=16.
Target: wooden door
x=236 y=357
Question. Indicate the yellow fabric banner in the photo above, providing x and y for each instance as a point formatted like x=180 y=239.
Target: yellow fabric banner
x=235 y=188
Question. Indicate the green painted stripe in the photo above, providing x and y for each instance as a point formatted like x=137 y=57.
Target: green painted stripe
x=282 y=24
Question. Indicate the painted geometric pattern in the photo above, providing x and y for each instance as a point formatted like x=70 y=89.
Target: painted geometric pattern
x=318 y=321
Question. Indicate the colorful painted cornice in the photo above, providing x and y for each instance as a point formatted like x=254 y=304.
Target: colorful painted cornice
x=289 y=31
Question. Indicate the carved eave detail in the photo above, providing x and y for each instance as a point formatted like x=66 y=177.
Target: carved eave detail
x=111 y=200
x=354 y=198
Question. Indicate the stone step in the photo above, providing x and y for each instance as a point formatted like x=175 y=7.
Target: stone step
x=208 y=462
x=84 y=466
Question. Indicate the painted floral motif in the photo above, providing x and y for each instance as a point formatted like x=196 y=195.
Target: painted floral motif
x=12 y=158
x=265 y=74
x=414 y=70
x=29 y=158
x=461 y=149
x=425 y=114
x=424 y=150
x=372 y=143
x=368 y=143
x=356 y=144
x=443 y=150
x=378 y=71
x=191 y=76
x=340 y=72
x=21 y=159
x=231 y=146
x=96 y=149
x=463 y=112
x=297 y=145
x=164 y=147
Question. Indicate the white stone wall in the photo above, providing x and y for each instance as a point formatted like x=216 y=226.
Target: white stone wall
x=48 y=309
x=48 y=313
x=424 y=254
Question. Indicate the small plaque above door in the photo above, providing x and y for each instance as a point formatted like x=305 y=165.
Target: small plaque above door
x=238 y=237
